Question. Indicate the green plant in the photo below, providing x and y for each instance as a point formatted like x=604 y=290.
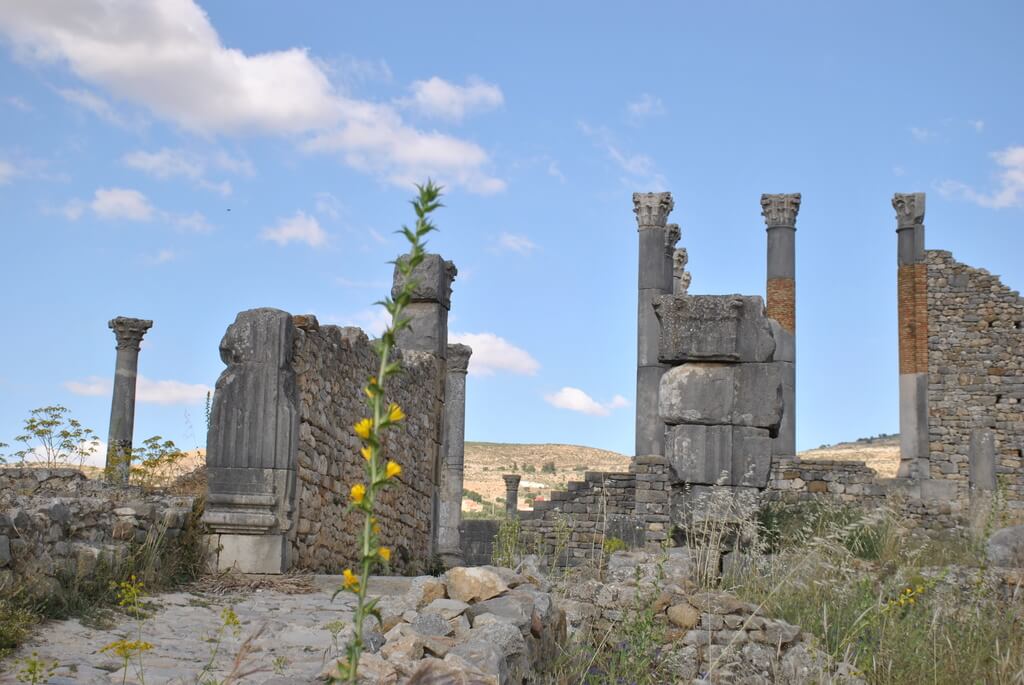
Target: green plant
x=228 y=623
x=613 y=545
x=549 y=467
x=507 y=542
x=528 y=468
x=383 y=415
x=129 y=594
x=35 y=670
x=16 y=623
x=53 y=438
x=156 y=459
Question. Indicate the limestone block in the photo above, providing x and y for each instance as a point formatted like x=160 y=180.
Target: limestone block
x=700 y=454
x=697 y=393
x=751 y=456
x=713 y=328
x=251 y=553
x=433 y=278
x=759 y=396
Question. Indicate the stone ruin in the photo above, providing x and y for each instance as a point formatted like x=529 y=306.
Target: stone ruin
x=715 y=413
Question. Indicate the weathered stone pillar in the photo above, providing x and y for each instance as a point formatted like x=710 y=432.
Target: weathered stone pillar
x=448 y=542
x=129 y=334
x=428 y=332
x=654 y=279
x=779 y=212
x=252 y=445
x=511 y=494
x=680 y=276
x=912 y=293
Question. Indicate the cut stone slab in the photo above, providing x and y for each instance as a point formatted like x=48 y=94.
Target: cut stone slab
x=728 y=328
x=474 y=584
x=751 y=456
x=759 y=396
x=700 y=393
x=700 y=454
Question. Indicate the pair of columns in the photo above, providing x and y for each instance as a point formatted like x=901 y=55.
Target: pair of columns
x=661 y=271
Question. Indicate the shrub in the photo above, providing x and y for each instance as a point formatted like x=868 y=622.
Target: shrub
x=549 y=467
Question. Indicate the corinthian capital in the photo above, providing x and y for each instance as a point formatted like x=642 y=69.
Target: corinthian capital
x=652 y=209
x=672 y=236
x=909 y=209
x=129 y=332
x=780 y=209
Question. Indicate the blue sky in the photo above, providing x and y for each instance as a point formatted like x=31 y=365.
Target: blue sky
x=183 y=162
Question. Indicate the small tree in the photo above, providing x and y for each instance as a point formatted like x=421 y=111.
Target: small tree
x=156 y=459
x=53 y=438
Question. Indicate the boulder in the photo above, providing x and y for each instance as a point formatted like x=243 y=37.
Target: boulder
x=1006 y=548
x=474 y=584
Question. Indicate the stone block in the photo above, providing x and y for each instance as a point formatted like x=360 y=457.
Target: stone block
x=433 y=280
x=250 y=553
x=713 y=328
x=759 y=396
x=700 y=454
x=697 y=393
x=751 y=456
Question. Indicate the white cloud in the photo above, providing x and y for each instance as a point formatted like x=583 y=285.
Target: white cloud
x=645 y=107
x=492 y=354
x=167 y=163
x=146 y=390
x=575 y=399
x=92 y=102
x=439 y=98
x=7 y=172
x=299 y=228
x=921 y=134
x=640 y=171
x=121 y=203
x=165 y=56
x=18 y=103
x=328 y=205
x=520 y=244
x=195 y=222
x=977 y=124
x=1010 y=177
x=164 y=256
x=553 y=170
x=899 y=171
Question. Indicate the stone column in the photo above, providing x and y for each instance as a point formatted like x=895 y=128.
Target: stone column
x=511 y=494
x=129 y=334
x=654 y=279
x=779 y=212
x=450 y=517
x=912 y=293
x=428 y=332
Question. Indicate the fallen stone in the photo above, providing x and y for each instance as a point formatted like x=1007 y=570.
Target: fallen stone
x=474 y=584
x=448 y=608
x=683 y=616
x=1006 y=548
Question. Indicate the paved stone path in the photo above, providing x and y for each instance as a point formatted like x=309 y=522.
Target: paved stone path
x=294 y=647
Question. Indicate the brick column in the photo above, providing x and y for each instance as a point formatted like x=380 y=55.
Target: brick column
x=448 y=542
x=129 y=334
x=779 y=212
x=511 y=494
x=912 y=294
x=654 y=279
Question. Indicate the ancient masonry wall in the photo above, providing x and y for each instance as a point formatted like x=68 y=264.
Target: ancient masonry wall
x=55 y=521
x=332 y=365
x=975 y=375
x=794 y=480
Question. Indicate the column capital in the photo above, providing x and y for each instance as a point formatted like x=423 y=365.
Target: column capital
x=433 y=278
x=511 y=481
x=680 y=258
x=909 y=210
x=780 y=209
x=652 y=209
x=458 y=358
x=672 y=236
x=129 y=331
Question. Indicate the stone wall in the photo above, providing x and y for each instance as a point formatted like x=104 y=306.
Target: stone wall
x=976 y=375
x=795 y=480
x=331 y=366
x=55 y=521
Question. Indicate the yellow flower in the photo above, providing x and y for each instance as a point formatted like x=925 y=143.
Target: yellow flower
x=392 y=470
x=363 y=428
x=365 y=451
x=351 y=579
x=384 y=553
x=358 y=493
x=395 y=413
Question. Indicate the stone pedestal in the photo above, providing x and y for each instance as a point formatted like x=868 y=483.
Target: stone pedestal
x=511 y=494
x=779 y=212
x=448 y=542
x=129 y=333
x=912 y=289
x=657 y=244
x=252 y=445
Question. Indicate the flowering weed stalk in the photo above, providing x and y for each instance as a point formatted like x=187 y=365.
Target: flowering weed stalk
x=378 y=472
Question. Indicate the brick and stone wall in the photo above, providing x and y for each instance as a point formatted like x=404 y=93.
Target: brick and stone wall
x=976 y=374
x=55 y=521
x=331 y=366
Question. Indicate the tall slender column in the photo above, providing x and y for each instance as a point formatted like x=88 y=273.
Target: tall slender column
x=511 y=494
x=779 y=212
x=912 y=293
x=448 y=542
x=654 y=279
x=129 y=334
